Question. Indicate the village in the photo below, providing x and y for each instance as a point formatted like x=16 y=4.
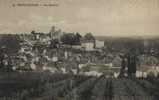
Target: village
x=60 y=52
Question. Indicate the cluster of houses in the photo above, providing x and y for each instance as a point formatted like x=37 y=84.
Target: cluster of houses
x=85 y=43
x=41 y=46
x=46 y=51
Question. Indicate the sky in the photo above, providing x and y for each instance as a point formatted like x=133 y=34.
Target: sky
x=100 y=17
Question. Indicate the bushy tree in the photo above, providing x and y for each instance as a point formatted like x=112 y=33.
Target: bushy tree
x=89 y=36
x=10 y=43
x=54 y=43
x=71 y=39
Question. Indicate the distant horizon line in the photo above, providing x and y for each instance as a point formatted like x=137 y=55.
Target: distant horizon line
x=83 y=33
x=100 y=36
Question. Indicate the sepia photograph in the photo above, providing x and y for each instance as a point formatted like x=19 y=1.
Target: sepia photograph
x=79 y=49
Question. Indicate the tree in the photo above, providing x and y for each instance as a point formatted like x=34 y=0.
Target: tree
x=78 y=38
x=89 y=36
x=132 y=64
x=54 y=43
x=71 y=39
x=11 y=43
x=33 y=32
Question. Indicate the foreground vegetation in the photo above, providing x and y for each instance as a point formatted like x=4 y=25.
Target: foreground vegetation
x=47 y=86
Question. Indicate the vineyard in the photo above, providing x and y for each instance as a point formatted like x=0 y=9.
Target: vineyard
x=47 y=86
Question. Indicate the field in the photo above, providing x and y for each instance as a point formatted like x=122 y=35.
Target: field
x=47 y=86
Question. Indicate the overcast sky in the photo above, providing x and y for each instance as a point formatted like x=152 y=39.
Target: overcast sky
x=101 y=17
